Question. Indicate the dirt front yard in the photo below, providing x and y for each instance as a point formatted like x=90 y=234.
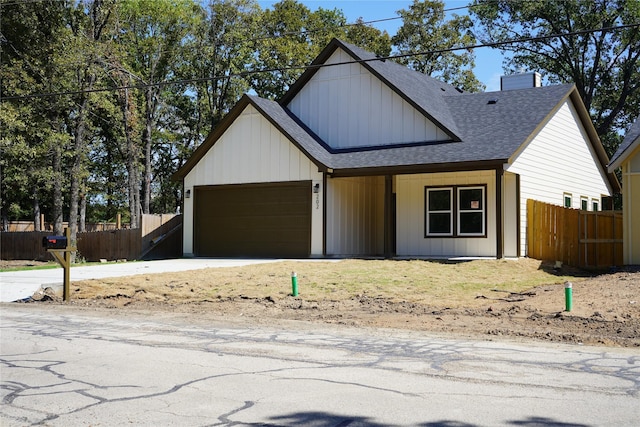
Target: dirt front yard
x=522 y=299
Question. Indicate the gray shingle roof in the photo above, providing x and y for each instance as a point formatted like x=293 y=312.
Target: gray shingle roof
x=484 y=134
x=297 y=132
x=488 y=131
x=493 y=125
x=631 y=138
x=480 y=131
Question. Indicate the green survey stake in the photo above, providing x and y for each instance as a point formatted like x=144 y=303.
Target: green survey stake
x=568 y=295
x=294 y=284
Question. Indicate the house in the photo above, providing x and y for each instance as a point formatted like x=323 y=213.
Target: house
x=627 y=157
x=365 y=157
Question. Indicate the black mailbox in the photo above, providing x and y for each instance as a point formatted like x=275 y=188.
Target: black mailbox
x=54 y=242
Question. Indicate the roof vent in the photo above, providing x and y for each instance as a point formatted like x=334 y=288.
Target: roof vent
x=492 y=101
x=520 y=81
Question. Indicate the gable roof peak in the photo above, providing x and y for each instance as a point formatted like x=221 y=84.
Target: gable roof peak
x=628 y=145
x=366 y=56
x=425 y=93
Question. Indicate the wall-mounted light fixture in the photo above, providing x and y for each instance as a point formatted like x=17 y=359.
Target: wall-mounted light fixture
x=187 y=194
x=316 y=188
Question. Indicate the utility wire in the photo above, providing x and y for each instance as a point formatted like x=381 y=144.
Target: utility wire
x=353 y=24
x=297 y=33
x=318 y=66
x=310 y=31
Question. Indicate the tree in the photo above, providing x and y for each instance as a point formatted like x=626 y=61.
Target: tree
x=426 y=31
x=603 y=64
x=125 y=135
x=217 y=53
x=291 y=37
x=86 y=23
x=34 y=136
x=107 y=183
x=281 y=45
x=369 y=38
x=155 y=31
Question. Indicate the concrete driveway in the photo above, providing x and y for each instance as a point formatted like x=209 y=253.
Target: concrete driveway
x=17 y=285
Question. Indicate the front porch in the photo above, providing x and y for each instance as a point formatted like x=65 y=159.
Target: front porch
x=388 y=216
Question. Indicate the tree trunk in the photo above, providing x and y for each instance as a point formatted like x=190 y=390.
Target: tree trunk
x=78 y=164
x=57 y=190
x=83 y=212
x=133 y=187
x=74 y=189
x=146 y=140
x=36 y=210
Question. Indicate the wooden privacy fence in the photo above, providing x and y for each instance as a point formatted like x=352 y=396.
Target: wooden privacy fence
x=25 y=226
x=127 y=244
x=578 y=238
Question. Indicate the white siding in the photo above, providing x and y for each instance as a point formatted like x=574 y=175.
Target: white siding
x=631 y=208
x=410 y=223
x=558 y=160
x=510 y=216
x=634 y=161
x=355 y=216
x=348 y=107
x=252 y=150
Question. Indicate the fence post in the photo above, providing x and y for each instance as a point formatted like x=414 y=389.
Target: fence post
x=530 y=229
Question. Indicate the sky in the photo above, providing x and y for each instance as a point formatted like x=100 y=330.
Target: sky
x=488 y=61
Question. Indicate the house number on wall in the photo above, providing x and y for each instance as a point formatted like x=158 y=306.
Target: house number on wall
x=317 y=201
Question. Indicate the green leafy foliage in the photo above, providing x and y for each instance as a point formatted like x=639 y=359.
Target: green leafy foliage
x=604 y=65
x=426 y=31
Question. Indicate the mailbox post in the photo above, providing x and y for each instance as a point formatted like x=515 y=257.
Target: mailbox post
x=60 y=248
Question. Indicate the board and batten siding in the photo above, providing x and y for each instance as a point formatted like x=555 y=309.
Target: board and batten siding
x=355 y=216
x=410 y=220
x=348 y=107
x=631 y=208
x=559 y=159
x=510 y=228
x=252 y=150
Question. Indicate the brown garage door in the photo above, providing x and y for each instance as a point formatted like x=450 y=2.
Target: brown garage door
x=256 y=220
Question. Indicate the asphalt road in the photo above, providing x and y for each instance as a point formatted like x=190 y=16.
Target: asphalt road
x=67 y=366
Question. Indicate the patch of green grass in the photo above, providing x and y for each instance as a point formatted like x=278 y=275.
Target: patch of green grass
x=31 y=267
x=428 y=282
x=53 y=264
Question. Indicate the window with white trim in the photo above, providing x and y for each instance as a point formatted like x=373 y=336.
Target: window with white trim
x=595 y=205
x=567 y=200
x=456 y=211
x=584 y=203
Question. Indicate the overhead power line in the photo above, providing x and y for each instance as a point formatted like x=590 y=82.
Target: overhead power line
x=307 y=67
x=352 y=24
x=296 y=33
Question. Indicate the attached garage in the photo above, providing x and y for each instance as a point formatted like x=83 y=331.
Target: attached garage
x=253 y=220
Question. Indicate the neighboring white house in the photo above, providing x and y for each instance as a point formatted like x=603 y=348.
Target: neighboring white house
x=369 y=158
x=628 y=158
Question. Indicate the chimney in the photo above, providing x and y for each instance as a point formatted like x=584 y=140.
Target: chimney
x=520 y=81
